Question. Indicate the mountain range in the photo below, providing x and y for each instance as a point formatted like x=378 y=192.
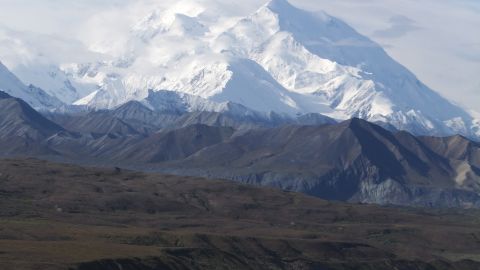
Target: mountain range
x=354 y=160
x=282 y=97
x=279 y=60
x=187 y=139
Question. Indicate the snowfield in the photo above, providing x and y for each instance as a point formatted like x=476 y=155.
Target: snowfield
x=278 y=59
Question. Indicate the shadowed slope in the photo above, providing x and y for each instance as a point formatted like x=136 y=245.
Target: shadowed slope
x=21 y=127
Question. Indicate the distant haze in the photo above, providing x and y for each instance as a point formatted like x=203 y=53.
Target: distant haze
x=438 y=40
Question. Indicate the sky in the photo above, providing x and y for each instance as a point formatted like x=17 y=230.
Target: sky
x=439 y=40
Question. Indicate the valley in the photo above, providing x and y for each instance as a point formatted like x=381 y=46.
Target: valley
x=57 y=216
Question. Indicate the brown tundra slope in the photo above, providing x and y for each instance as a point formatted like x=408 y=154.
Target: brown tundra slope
x=56 y=217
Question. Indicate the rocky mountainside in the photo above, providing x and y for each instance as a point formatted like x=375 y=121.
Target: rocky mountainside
x=354 y=160
x=142 y=117
x=351 y=161
x=22 y=128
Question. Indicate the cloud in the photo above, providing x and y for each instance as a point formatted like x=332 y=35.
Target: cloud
x=399 y=26
x=470 y=52
x=23 y=48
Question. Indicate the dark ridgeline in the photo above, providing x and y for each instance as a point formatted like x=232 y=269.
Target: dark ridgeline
x=22 y=129
x=350 y=161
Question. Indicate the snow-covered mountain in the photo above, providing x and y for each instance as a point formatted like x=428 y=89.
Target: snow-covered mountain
x=279 y=58
x=35 y=96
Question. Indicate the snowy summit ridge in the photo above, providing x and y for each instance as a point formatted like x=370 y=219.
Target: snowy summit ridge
x=278 y=59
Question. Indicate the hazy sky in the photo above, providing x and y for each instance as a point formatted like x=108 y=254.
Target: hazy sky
x=439 y=40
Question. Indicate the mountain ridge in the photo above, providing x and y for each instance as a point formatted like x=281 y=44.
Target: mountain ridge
x=353 y=160
x=22 y=128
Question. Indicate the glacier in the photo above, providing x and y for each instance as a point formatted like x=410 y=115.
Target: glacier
x=278 y=59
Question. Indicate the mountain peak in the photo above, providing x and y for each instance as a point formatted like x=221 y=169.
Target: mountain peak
x=291 y=61
x=19 y=119
x=184 y=24
x=279 y=4
x=356 y=122
x=290 y=12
